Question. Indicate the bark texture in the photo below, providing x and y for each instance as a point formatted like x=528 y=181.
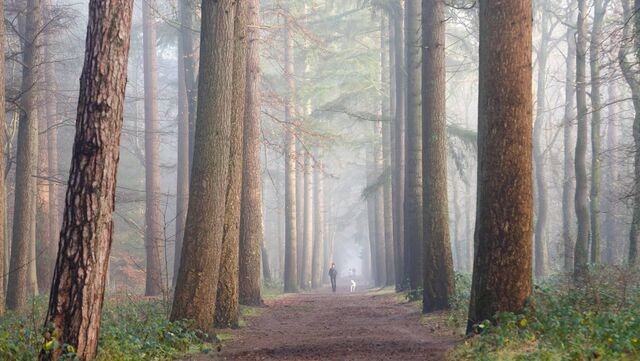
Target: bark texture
x=502 y=271
x=227 y=303
x=195 y=294
x=77 y=293
x=3 y=199
x=251 y=233
x=438 y=262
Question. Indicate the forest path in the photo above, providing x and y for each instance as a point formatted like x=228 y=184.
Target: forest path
x=342 y=326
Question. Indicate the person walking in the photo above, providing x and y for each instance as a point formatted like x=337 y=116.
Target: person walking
x=333 y=274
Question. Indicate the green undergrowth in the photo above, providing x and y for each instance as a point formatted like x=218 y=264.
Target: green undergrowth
x=595 y=318
x=131 y=330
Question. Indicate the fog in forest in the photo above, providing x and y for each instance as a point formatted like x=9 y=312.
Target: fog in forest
x=196 y=160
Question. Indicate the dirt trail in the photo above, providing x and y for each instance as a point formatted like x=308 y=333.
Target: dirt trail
x=342 y=326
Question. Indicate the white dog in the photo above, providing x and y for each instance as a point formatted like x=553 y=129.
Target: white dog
x=353 y=286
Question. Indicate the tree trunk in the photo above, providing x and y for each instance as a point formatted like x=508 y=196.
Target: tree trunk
x=568 y=183
x=371 y=223
x=502 y=279
x=413 y=237
x=227 y=303
x=299 y=200
x=307 y=260
x=381 y=267
x=291 y=280
x=397 y=141
x=23 y=241
x=75 y=304
x=378 y=158
x=596 y=119
x=195 y=294
x=188 y=9
x=581 y=255
x=630 y=75
x=542 y=194
x=43 y=242
x=152 y=216
x=52 y=148
x=387 y=105
x=266 y=269
x=182 y=181
x=251 y=232
x=438 y=262
x=3 y=199
x=611 y=229
x=318 y=228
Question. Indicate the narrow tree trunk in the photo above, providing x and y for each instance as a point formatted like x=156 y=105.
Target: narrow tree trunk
x=381 y=267
x=413 y=237
x=195 y=294
x=299 y=201
x=318 y=228
x=504 y=211
x=187 y=9
x=581 y=257
x=460 y=257
x=630 y=75
x=596 y=119
x=387 y=105
x=251 y=232
x=75 y=304
x=182 y=163
x=568 y=183
x=227 y=302
x=291 y=280
x=371 y=223
x=52 y=142
x=307 y=260
x=152 y=214
x=611 y=230
x=3 y=199
x=43 y=241
x=542 y=194
x=438 y=262
x=22 y=250
x=266 y=268
x=398 y=145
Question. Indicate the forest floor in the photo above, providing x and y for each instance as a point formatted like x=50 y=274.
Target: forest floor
x=365 y=325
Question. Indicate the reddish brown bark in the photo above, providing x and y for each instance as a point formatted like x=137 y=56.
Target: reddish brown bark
x=438 y=262
x=251 y=236
x=502 y=271
x=75 y=304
